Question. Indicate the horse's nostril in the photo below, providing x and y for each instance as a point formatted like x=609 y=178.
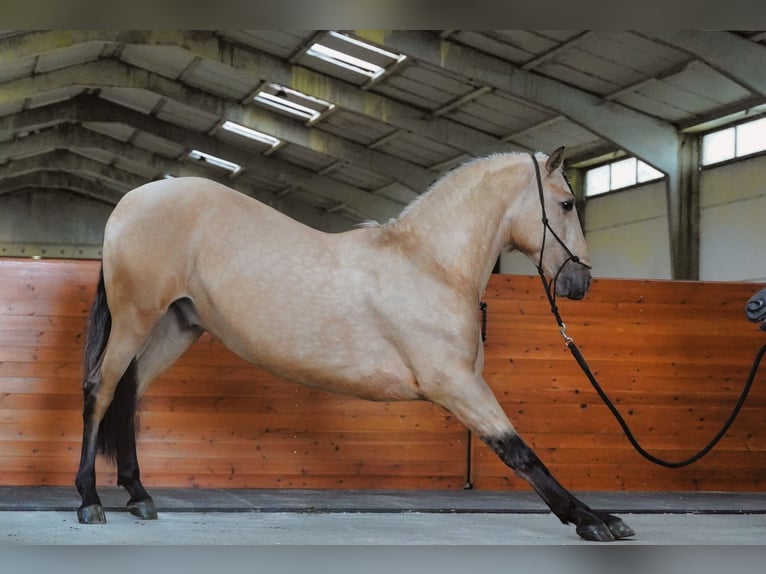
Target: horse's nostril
x=755 y=305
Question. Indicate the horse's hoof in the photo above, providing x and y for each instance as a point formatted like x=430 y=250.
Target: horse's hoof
x=596 y=532
x=618 y=528
x=93 y=514
x=143 y=509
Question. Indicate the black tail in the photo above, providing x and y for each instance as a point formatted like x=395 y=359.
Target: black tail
x=117 y=428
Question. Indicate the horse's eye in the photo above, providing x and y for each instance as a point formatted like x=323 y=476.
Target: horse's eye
x=567 y=205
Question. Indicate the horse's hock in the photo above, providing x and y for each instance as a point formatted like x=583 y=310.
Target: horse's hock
x=673 y=355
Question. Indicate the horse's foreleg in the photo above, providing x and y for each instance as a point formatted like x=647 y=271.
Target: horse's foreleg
x=472 y=401
x=590 y=524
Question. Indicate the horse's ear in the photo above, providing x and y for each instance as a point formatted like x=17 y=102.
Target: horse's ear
x=555 y=160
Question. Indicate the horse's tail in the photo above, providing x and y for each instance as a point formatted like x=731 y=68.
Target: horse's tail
x=117 y=428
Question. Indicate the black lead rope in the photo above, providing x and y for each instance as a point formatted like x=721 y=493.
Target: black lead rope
x=549 y=288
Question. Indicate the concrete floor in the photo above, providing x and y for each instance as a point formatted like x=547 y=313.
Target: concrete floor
x=46 y=516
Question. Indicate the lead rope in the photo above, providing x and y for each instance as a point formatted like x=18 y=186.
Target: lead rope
x=549 y=288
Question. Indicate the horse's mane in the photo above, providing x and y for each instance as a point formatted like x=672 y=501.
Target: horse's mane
x=455 y=172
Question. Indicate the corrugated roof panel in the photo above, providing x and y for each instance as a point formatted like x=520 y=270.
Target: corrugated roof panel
x=424 y=86
x=17 y=68
x=361 y=178
x=498 y=114
x=97 y=154
x=355 y=127
x=142 y=101
x=635 y=51
x=418 y=149
x=493 y=42
x=9 y=107
x=535 y=42
x=643 y=99
x=555 y=134
x=141 y=169
x=699 y=78
x=253 y=176
x=168 y=61
x=669 y=92
x=114 y=130
x=311 y=198
x=187 y=116
x=282 y=43
x=158 y=145
x=69 y=56
x=53 y=96
x=304 y=157
x=222 y=79
x=574 y=77
x=591 y=60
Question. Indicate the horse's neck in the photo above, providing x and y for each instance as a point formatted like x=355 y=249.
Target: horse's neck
x=460 y=225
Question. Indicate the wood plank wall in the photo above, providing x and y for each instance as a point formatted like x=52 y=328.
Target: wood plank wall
x=673 y=355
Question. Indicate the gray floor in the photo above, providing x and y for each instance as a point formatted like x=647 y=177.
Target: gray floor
x=33 y=516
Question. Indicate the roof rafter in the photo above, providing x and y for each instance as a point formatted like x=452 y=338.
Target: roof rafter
x=86 y=108
x=259 y=65
x=112 y=73
x=652 y=140
x=58 y=180
x=73 y=136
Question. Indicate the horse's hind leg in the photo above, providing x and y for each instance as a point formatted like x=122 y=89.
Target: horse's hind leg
x=170 y=337
x=106 y=370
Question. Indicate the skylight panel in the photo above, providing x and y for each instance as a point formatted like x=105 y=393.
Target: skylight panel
x=293 y=102
x=251 y=134
x=354 y=55
x=216 y=161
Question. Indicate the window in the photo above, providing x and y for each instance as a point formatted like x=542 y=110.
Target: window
x=250 y=133
x=293 y=103
x=216 y=161
x=619 y=174
x=354 y=55
x=736 y=141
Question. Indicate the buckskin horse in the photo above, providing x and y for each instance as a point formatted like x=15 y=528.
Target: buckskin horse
x=385 y=312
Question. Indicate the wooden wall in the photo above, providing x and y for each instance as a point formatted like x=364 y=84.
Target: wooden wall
x=673 y=355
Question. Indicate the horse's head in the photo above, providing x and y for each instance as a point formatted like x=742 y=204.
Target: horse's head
x=550 y=233
x=756 y=308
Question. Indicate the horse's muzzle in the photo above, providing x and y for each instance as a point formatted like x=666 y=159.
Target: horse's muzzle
x=573 y=280
x=755 y=310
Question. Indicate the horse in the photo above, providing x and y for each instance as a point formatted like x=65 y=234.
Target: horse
x=385 y=311
x=755 y=309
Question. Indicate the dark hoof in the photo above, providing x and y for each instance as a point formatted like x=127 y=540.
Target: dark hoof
x=93 y=514
x=143 y=509
x=618 y=528
x=596 y=532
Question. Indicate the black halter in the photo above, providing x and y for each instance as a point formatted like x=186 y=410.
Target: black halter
x=550 y=286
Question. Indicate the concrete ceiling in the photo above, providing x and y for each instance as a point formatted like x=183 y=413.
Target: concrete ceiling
x=100 y=112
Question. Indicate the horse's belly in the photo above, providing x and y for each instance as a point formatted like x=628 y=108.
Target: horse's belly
x=378 y=385
x=374 y=372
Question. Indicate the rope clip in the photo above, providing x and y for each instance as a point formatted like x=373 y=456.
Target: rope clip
x=567 y=339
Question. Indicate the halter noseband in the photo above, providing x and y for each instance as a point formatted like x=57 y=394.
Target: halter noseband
x=550 y=286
